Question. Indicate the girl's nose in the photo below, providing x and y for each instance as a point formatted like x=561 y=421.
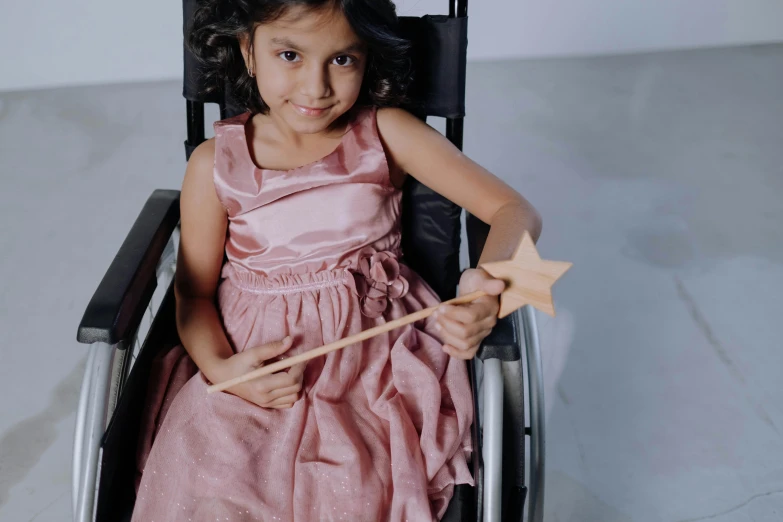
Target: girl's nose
x=315 y=83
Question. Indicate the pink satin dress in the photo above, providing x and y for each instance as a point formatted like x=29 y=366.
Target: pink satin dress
x=382 y=431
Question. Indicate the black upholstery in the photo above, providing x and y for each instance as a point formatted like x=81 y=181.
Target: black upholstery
x=431 y=237
x=439 y=63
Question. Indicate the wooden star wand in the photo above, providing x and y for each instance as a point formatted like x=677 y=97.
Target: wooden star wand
x=528 y=279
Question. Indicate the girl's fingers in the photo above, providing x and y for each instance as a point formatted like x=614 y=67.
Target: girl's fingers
x=283 y=402
x=459 y=354
x=478 y=279
x=270 y=383
x=466 y=330
x=281 y=406
x=462 y=314
x=493 y=286
x=464 y=344
x=273 y=395
x=255 y=357
x=297 y=371
x=473 y=343
x=470 y=312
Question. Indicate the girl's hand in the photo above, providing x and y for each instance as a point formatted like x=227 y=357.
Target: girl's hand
x=463 y=327
x=278 y=391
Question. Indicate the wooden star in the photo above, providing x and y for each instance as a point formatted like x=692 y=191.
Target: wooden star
x=529 y=279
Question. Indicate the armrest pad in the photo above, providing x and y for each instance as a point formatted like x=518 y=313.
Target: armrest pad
x=503 y=342
x=125 y=291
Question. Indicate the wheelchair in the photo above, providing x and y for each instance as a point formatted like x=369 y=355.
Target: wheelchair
x=131 y=316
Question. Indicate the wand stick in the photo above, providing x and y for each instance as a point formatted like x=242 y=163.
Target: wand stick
x=528 y=278
x=342 y=343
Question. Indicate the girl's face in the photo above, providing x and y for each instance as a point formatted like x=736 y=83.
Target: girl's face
x=309 y=66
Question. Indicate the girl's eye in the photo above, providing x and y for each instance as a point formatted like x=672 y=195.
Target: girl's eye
x=289 y=56
x=343 y=60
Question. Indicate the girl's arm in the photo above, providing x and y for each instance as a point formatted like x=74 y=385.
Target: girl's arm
x=202 y=243
x=203 y=236
x=419 y=150
x=415 y=148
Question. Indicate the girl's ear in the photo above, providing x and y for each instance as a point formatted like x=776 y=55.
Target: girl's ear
x=246 y=46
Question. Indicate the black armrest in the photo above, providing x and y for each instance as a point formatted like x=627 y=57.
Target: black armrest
x=119 y=302
x=504 y=341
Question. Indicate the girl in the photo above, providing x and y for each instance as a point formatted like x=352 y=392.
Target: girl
x=301 y=194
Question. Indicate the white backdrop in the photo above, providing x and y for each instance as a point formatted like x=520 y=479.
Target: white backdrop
x=49 y=43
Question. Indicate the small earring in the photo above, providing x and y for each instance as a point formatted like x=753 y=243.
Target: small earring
x=250 y=72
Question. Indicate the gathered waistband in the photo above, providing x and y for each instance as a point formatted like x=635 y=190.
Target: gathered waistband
x=285 y=283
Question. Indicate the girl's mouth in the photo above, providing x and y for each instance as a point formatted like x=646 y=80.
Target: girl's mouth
x=312 y=112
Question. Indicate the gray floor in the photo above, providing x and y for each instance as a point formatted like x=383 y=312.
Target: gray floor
x=660 y=176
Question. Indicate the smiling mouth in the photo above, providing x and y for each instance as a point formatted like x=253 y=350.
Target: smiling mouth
x=310 y=111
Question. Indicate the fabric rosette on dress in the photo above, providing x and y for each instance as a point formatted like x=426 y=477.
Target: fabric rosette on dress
x=377 y=279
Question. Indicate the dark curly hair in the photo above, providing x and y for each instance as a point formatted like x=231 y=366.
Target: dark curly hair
x=214 y=32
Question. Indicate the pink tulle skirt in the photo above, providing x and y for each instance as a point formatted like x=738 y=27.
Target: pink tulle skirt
x=382 y=431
